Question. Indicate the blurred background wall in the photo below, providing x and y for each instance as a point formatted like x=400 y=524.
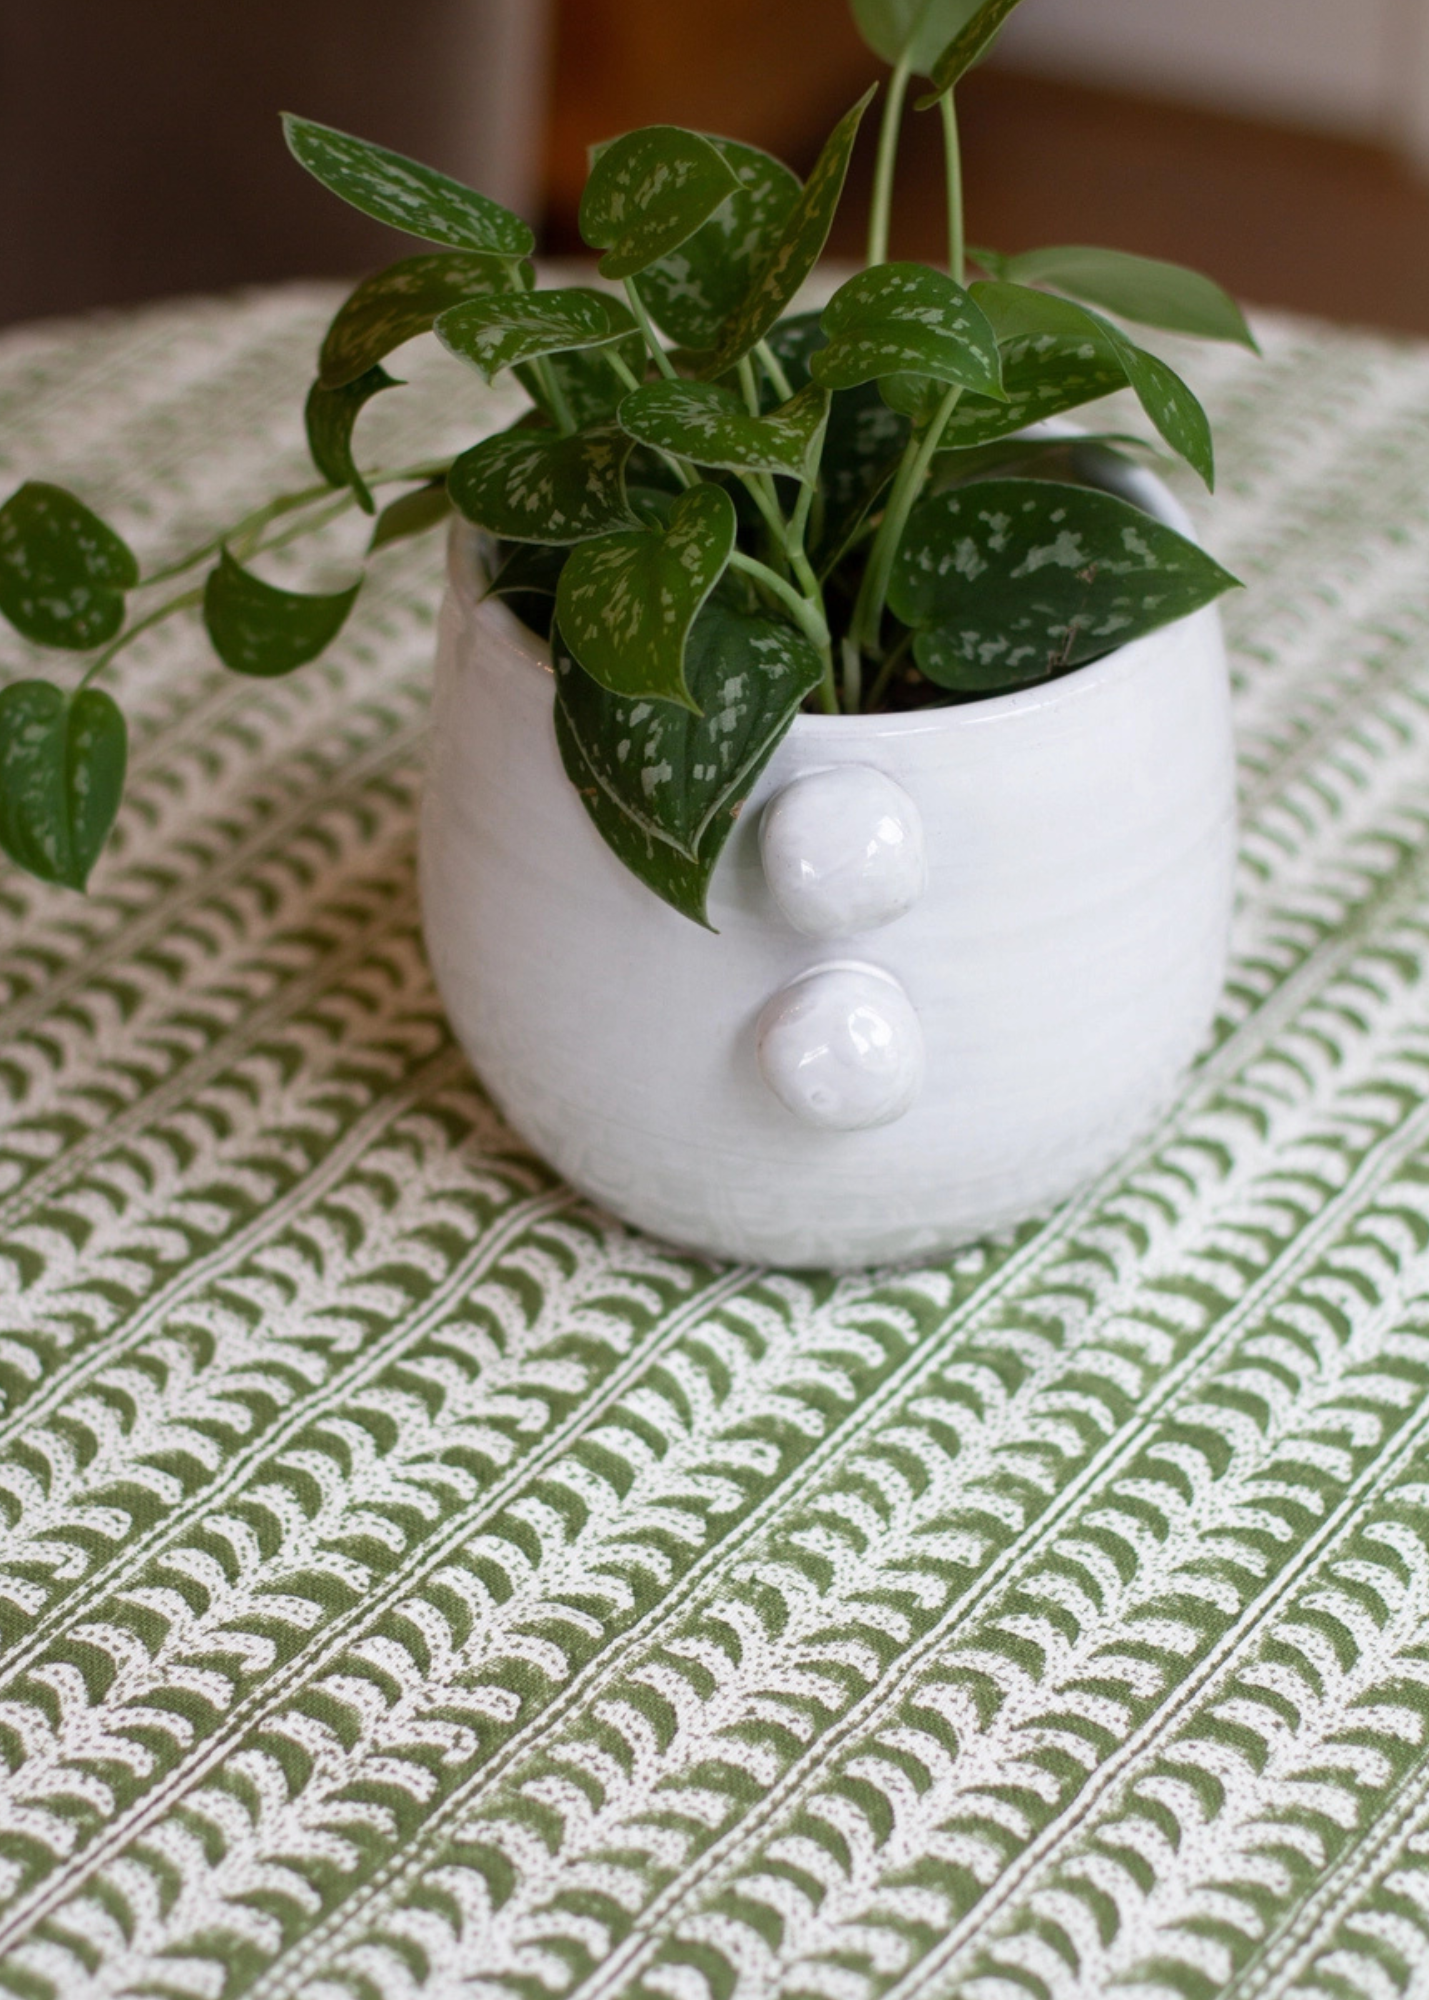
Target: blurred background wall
x=1283 y=144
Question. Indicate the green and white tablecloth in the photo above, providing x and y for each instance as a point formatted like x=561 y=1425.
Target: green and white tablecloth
x=414 y=1582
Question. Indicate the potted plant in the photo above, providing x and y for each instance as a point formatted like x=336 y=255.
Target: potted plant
x=826 y=849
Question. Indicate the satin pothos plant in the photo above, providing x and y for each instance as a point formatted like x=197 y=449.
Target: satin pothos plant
x=720 y=510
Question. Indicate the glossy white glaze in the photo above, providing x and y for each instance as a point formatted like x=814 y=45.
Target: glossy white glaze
x=1064 y=961
x=843 y=851
x=841 y=1048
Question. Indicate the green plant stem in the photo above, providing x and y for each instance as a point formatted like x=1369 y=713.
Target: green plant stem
x=917 y=457
x=882 y=206
x=807 y=613
x=157 y=616
x=953 y=156
x=555 y=395
x=652 y=339
x=769 y=361
x=748 y=385
x=626 y=375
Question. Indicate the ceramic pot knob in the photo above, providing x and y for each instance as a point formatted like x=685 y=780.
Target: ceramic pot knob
x=843 y=851
x=842 y=1048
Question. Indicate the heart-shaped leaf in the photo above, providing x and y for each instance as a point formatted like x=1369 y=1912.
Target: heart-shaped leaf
x=663 y=785
x=61 y=776
x=330 y=415
x=1010 y=581
x=968 y=46
x=536 y=486
x=917 y=29
x=1143 y=289
x=1054 y=358
x=496 y=333
x=626 y=603
x=258 y=629
x=797 y=250
x=397 y=304
x=648 y=193
x=411 y=514
x=63 y=571
x=710 y=426
x=692 y=291
x=405 y=194
x=907 y=316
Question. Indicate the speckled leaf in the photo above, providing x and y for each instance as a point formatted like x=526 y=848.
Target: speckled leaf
x=1053 y=359
x=395 y=305
x=1166 y=399
x=536 y=486
x=710 y=426
x=626 y=603
x=648 y=193
x=61 y=776
x=968 y=46
x=1011 y=581
x=899 y=317
x=922 y=28
x=676 y=780
x=63 y=572
x=405 y=194
x=330 y=416
x=258 y=629
x=1143 y=289
x=411 y=514
x=798 y=248
x=497 y=333
x=692 y=291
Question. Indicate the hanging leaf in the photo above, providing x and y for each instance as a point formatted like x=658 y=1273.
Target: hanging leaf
x=330 y=415
x=712 y=427
x=626 y=603
x=692 y=291
x=496 y=333
x=63 y=571
x=1054 y=358
x=648 y=193
x=395 y=305
x=798 y=249
x=403 y=193
x=664 y=786
x=411 y=514
x=592 y=387
x=1010 y=581
x=907 y=316
x=1143 y=289
x=61 y=776
x=920 y=28
x=536 y=486
x=968 y=46
x=258 y=629
x=1166 y=399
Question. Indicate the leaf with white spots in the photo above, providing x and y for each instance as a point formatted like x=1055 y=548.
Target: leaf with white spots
x=664 y=785
x=63 y=571
x=710 y=426
x=405 y=194
x=969 y=45
x=497 y=333
x=330 y=416
x=62 y=764
x=396 y=304
x=1011 y=581
x=536 y=486
x=648 y=193
x=258 y=629
x=692 y=291
x=1054 y=358
x=627 y=602
x=900 y=317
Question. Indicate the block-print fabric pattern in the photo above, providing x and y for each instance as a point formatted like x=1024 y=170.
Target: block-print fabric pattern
x=414 y=1583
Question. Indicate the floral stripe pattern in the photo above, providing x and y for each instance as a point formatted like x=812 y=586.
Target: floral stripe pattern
x=411 y=1582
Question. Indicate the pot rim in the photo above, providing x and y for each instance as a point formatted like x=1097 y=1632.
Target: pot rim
x=1085 y=683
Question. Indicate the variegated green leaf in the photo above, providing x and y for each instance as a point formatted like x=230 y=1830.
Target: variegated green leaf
x=626 y=603
x=899 y=317
x=692 y=291
x=405 y=194
x=710 y=426
x=497 y=333
x=1010 y=581
x=400 y=302
x=1054 y=359
x=63 y=571
x=529 y=485
x=62 y=762
x=259 y=629
x=968 y=46
x=648 y=193
x=330 y=416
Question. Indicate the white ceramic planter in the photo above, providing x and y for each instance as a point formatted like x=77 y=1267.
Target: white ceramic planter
x=1031 y=995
